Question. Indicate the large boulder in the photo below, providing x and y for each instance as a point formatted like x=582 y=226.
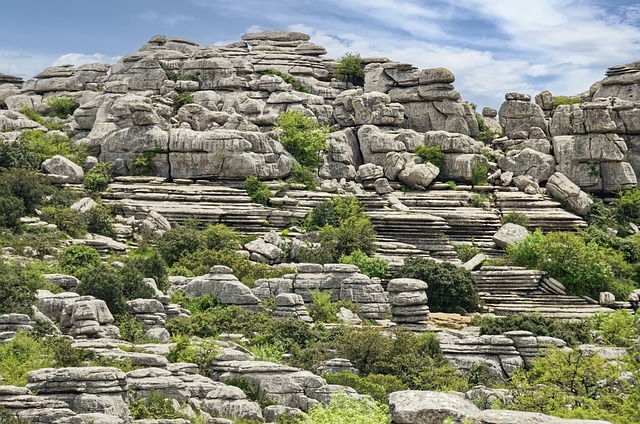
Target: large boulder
x=509 y=234
x=422 y=407
x=63 y=170
x=529 y=162
x=563 y=189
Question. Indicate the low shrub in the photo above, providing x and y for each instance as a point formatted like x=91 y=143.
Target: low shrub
x=480 y=200
x=31 y=114
x=515 y=218
x=431 y=154
x=28 y=186
x=155 y=406
x=451 y=289
x=69 y=222
x=343 y=409
x=74 y=259
x=479 y=175
x=303 y=175
x=372 y=267
x=573 y=332
x=181 y=99
x=17 y=155
x=565 y=100
x=61 y=107
x=295 y=84
x=378 y=386
x=466 y=252
x=98 y=178
x=180 y=241
x=18 y=286
x=302 y=137
x=585 y=268
x=257 y=190
x=619 y=328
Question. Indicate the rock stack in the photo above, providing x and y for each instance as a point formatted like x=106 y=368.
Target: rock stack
x=291 y=305
x=23 y=404
x=87 y=390
x=408 y=300
x=67 y=282
x=368 y=294
x=224 y=286
x=10 y=323
x=529 y=346
x=149 y=312
x=336 y=366
x=88 y=317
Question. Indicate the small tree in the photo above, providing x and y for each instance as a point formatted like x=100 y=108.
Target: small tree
x=302 y=137
x=350 y=69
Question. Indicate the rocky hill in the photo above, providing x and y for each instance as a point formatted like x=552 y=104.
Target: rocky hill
x=178 y=131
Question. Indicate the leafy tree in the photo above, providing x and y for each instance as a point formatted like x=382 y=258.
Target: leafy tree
x=17 y=155
x=46 y=145
x=302 y=137
x=25 y=185
x=350 y=69
x=74 y=259
x=372 y=267
x=180 y=241
x=451 y=289
x=585 y=268
x=343 y=409
x=18 y=285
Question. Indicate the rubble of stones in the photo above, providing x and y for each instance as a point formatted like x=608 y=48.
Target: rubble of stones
x=225 y=133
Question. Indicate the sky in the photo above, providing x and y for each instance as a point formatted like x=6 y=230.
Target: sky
x=492 y=46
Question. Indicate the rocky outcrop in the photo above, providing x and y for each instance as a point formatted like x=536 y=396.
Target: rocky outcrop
x=428 y=96
x=80 y=316
x=509 y=234
x=87 y=390
x=62 y=170
x=517 y=113
x=563 y=189
x=222 y=285
x=418 y=407
x=11 y=323
x=408 y=299
x=291 y=305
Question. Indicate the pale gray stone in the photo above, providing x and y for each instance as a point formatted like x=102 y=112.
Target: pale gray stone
x=509 y=234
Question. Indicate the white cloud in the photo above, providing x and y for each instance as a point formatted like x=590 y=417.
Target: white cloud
x=77 y=59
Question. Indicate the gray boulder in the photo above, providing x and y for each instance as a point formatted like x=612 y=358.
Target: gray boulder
x=63 y=170
x=509 y=234
x=422 y=407
x=562 y=188
x=529 y=162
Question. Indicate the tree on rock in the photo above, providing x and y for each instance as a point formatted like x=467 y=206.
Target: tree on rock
x=350 y=69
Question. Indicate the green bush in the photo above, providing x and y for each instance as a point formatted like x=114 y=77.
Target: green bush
x=182 y=99
x=26 y=352
x=619 y=328
x=18 y=285
x=479 y=175
x=627 y=205
x=74 y=259
x=296 y=85
x=573 y=384
x=26 y=185
x=343 y=409
x=372 y=267
x=369 y=385
x=333 y=212
x=303 y=175
x=156 y=406
x=585 y=268
x=451 y=289
x=114 y=286
x=144 y=164
x=573 y=332
x=302 y=137
x=466 y=252
x=151 y=265
x=628 y=246
x=98 y=177
x=202 y=352
x=565 y=100
x=431 y=154
x=257 y=190
x=180 y=241
x=480 y=200
x=515 y=218
x=17 y=155
x=11 y=210
x=100 y=221
x=36 y=117
x=61 y=107
x=221 y=237
x=72 y=223
x=350 y=69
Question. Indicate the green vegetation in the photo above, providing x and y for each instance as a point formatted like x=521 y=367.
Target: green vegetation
x=515 y=218
x=36 y=117
x=485 y=135
x=431 y=154
x=372 y=267
x=565 y=100
x=17 y=155
x=343 y=229
x=343 y=409
x=156 y=406
x=575 y=384
x=350 y=69
x=181 y=99
x=479 y=175
x=302 y=137
x=451 y=289
x=480 y=200
x=296 y=85
x=378 y=386
x=18 y=286
x=61 y=107
x=584 y=267
x=466 y=252
x=144 y=164
x=26 y=352
x=98 y=177
x=257 y=190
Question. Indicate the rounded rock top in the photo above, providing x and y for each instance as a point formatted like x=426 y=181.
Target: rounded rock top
x=518 y=96
x=276 y=35
x=436 y=75
x=406 y=284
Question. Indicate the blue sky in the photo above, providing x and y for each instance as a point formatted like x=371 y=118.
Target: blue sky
x=492 y=46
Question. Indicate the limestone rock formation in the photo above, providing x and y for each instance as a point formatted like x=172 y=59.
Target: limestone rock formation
x=408 y=299
x=560 y=187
